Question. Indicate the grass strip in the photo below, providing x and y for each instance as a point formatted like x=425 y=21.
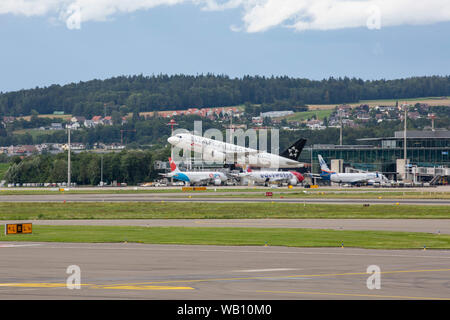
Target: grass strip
x=196 y=210
x=235 y=237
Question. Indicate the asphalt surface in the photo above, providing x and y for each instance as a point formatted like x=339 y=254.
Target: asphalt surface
x=145 y=197
x=441 y=226
x=138 y=271
x=227 y=188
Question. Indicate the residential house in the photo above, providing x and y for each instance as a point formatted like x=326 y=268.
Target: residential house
x=56 y=126
x=89 y=124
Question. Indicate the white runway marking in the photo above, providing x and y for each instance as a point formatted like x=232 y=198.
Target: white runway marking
x=368 y=253
x=266 y=270
x=18 y=245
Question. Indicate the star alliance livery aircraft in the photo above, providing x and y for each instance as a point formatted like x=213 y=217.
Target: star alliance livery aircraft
x=218 y=151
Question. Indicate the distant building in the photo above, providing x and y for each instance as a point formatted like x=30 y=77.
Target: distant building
x=56 y=126
x=7 y=120
x=315 y=125
x=275 y=114
x=257 y=120
x=96 y=120
x=424 y=149
x=414 y=115
x=75 y=126
x=107 y=121
x=78 y=119
x=89 y=123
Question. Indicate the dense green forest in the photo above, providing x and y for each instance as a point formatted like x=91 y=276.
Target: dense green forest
x=163 y=92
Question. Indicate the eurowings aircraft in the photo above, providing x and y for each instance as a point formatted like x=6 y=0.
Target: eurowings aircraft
x=196 y=177
x=218 y=151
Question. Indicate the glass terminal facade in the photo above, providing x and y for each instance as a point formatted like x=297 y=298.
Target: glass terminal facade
x=424 y=149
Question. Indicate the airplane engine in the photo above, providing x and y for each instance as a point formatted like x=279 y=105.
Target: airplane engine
x=293 y=182
x=217 y=182
x=213 y=155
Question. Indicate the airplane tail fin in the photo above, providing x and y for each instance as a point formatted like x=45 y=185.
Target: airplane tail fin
x=323 y=164
x=173 y=166
x=293 y=152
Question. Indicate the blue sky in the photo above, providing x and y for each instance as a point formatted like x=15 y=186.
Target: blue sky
x=39 y=50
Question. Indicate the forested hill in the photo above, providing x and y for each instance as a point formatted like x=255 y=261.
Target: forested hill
x=163 y=92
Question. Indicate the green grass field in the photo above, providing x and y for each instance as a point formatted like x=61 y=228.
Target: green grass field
x=173 y=210
x=235 y=237
x=300 y=116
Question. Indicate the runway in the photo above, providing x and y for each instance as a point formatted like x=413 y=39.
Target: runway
x=138 y=271
x=145 y=197
x=441 y=226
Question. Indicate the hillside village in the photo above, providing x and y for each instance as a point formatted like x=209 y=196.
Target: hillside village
x=350 y=116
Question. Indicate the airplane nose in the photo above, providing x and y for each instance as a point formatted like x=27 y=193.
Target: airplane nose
x=172 y=140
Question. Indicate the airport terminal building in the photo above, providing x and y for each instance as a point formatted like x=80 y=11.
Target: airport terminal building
x=425 y=149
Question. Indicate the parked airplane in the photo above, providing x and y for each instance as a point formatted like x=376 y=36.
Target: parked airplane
x=351 y=178
x=291 y=177
x=218 y=151
x=196 y=177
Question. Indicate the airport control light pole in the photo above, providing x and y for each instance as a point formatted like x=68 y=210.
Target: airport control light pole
x=405 y=155
x=404 y=132
x=172 y=123
x=68 y=156
x=101 y=172
x=340 y=127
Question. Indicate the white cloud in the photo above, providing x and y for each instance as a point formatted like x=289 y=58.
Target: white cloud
x=257 y=15
x=340 y=14
x=28 y=7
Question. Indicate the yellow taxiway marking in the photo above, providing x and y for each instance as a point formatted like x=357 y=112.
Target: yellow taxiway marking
x=154 y=285
x=92 y=286
x=132 y=287
x=353 y=295
x=288 y=277
x=37 y=285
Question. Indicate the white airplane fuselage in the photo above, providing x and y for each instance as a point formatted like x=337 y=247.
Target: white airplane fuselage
x=358 y=177
x=352 y=177
x=293 y=178
x=194 y=177
x=218 y=151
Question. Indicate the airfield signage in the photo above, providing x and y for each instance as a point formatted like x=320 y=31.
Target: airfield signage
x=18 y=228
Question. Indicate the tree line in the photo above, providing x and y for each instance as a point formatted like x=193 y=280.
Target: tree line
x=140 y=93
x=131 y=167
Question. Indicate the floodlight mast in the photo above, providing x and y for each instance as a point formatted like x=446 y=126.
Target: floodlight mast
x=404 y=132
x=68 y=156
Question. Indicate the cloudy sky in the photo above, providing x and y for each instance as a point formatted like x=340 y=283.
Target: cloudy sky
x=48 y=41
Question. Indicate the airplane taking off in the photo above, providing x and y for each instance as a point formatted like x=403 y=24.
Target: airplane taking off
x=196 y=177
x=291 y=177
x=218 y=151
x=352 y=178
